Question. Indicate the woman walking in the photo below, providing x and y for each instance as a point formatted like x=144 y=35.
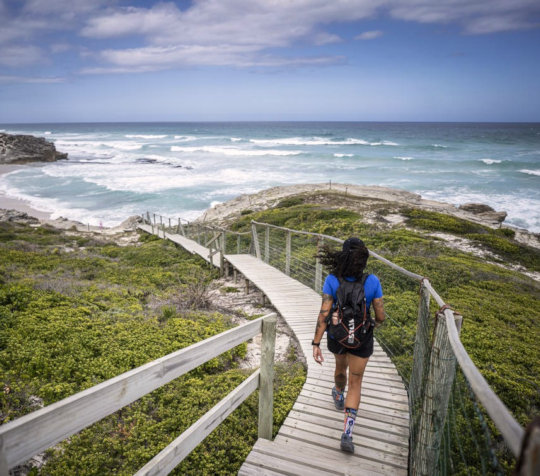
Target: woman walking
x=351 y=344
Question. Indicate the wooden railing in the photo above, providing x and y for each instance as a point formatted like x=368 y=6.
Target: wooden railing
x=31 y=434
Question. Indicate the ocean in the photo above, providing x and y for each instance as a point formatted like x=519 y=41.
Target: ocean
x=115 y=170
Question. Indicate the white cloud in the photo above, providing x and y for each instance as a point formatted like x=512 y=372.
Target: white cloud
x=475 y=16
x=29 y=79
x=369 y=35
x=228 y=32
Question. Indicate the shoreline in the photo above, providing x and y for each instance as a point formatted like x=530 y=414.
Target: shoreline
x=263 y=199
x=11 y=203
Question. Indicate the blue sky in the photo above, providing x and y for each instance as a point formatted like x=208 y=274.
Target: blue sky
x=214 y=60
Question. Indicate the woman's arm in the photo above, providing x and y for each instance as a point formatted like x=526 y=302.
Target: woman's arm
x=378 y=306
x=326 y=309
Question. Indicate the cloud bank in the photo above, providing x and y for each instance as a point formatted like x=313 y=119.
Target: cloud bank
x=238 y=33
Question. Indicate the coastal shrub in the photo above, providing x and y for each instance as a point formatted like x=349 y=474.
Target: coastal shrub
x=499 y=241
x=72 y=319
x=290 y=202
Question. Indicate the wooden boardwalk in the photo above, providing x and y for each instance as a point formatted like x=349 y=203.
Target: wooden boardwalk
x=308 y=441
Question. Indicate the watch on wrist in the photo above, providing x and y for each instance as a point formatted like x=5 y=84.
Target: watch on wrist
x=315 y=343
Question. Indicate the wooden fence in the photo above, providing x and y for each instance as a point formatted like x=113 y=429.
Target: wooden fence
x=31 y=434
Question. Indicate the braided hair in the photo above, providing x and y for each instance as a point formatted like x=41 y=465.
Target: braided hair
x=349 y=262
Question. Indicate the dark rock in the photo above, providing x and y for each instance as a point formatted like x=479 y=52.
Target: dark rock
x=485 y=212
x=15 y=216
x=476 y=208
x=20 y=149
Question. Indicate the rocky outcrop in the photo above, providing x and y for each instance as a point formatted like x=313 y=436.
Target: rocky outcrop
x=484 y=212
x=15 y=216
x=21 y=149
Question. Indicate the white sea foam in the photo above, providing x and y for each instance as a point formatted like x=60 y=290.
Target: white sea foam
x=343 y=155
x=185 y=138
x=236 y=139
x=522 y=211
x=96 y=146
x=47 y=133
x=490 y=161
x=403 y=158
x=530 y=172
x=234 y=151
x=439 y=146
x=145 y=136
x=299 y=141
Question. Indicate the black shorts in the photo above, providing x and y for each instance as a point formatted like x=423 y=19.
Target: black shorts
x=365 y=350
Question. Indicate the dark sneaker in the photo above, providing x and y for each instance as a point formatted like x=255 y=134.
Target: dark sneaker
x=339 y=399
x=346 y=443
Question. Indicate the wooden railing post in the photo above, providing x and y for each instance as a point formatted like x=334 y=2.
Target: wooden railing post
x=266 y=386
x=420 y=361
x=288 y=254
x=440 y=377
x=4 y=469
x=318 y=268
x=267 y=244
x=222 y=252
x=255 y=238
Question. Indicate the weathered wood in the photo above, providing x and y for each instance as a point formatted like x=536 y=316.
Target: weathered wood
x=37 y=431
x=171 y=456
x=288 y=253
x=255 y=239
x=267 y=244
x=266 y=392
x=420 y=361
x=318 y=267
x=222 y=251
x=512 y=432
x=440 y=377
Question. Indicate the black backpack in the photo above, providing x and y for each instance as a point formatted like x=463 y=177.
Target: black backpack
x=354 y=321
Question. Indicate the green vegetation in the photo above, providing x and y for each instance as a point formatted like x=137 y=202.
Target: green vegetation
x=499 y=241
x=76 y=310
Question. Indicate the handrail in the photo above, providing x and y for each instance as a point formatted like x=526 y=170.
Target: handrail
x=404 y=271
x=511 y=430
x=30 y=434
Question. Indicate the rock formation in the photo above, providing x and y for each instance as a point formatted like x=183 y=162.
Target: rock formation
x=484 y=212
x=20 y=149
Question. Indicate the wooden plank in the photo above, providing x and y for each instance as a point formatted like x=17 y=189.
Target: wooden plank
x=39 y=430
x=274 y=460
x=248 y=469
x=369 y=420
x=381 y=432
x=323 y=441
x=360 y=439
x=333 y=457
x=294 y=451
x=171 y=456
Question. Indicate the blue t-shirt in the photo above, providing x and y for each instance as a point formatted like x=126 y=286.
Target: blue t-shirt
x=372 y=287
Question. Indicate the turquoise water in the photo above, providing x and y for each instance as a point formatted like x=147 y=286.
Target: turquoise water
x=179 y=169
